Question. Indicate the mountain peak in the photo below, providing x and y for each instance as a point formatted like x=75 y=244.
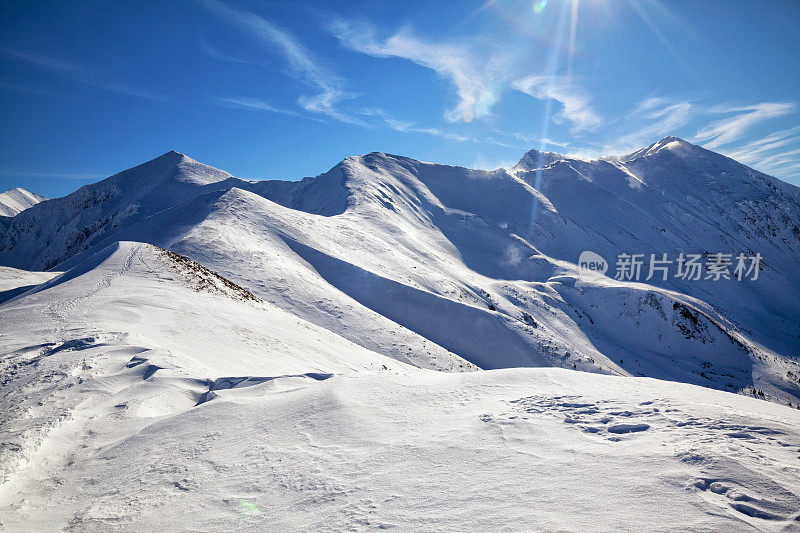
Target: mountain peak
x=535 y=158
x=670 y=138
x=173 y=166
x=667 y=143
x=16 y=200
x=171 y=157
x=20 y=190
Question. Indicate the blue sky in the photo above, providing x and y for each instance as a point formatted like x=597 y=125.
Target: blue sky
x=286 y=90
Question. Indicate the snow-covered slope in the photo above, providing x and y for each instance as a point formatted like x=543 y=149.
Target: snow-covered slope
x=51 y=232
x=141 y=310
x=16 y=200
x=14 y=281
x=676 y=197
x=422 y=261
x=142 y=392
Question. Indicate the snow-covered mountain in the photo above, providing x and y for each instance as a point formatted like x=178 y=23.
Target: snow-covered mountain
x=17 y=200
x=263 y=354
x=434 y=264
x=57 y=230
x=13 y=202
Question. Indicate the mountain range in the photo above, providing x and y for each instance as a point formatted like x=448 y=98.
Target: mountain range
x=299 y=325
x=436 y=264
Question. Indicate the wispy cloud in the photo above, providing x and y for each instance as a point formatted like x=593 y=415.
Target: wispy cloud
x=43 y=61
x=407 y=126
x=478 y=73
x=476 y=80
x=653 y=103
x=652 y=119
x=120 y=88
x=214 y=53
x=576 y=107
x=777 y=153
x=411 y=127
x=78 y=73
x=254 y=104
x=302 y=63
x=754 y=150
x=726 y=130
x=538 y=141
x=782 y=164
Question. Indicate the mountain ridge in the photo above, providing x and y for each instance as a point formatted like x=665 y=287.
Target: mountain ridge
x=494 y=251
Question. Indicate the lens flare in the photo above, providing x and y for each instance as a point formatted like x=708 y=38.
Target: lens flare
x=247 y=510
x=539 y=6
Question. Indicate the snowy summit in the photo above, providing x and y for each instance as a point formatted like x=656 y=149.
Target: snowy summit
x=16 y=200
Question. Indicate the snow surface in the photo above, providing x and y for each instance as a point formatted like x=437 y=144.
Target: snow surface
x=156 y=396
x=14 y=282
x=14 y=278
x=279 y=374
x=16 y=200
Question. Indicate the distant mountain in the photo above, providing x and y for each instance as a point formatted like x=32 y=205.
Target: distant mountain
x=13 y=202
x=17 y=200
x=433 y=264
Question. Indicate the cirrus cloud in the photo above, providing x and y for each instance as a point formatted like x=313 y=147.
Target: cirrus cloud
x=302 y=63
x=477 y=87
x=726 y=130
x=576 y=107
